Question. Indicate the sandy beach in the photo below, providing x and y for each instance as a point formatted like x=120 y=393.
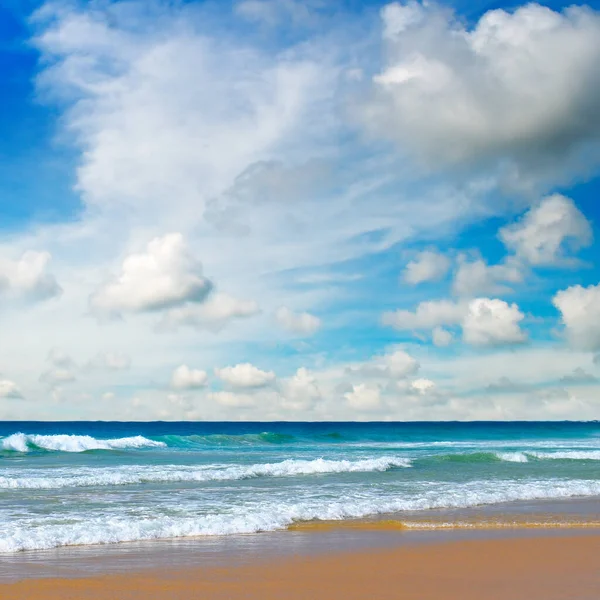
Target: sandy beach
x=530 y=568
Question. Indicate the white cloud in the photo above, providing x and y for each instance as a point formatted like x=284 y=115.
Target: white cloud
x=393 y=365
x=245 y=375
x=452 y=95
x=302 y=323
x=441 y=337
x=429 y=314
x=301 y=391
x=164 y=276
x=548 y=232
x=484 y=321
x=215 y=313
x=492 y=322
x=422 y=386
x=27 y=278
x=398 y=364
x=364 y=398
x=476 y=277
x=580 y=313
x=112 y=361
x=9 y=389
x=428 y=265
x=184 y=378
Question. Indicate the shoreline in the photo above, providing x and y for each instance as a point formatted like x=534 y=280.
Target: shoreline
x=564 y=517
x=529 y=566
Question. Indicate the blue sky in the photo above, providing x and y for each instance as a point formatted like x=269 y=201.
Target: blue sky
x=274 y=209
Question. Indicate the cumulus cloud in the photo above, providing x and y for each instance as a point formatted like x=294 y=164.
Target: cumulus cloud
x=429 y=314
x=165 y=276
x=549 y=232
x=484 y=321
x=302 y=323
x=184 y=378
x=452 y=95
x=473 y=278
x=428 y=265
x=363 y=397
x=398 y=364
x=27 y=278
x=441 y=337
x=422 y=386
x=580 y=313
x=9 y=389
x=213 y=314
x=245 y=375
x=493 y=322
x=301 y=391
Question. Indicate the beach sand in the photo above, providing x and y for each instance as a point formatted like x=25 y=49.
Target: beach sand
x=565 y=567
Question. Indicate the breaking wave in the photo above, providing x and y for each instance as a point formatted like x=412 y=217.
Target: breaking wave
x=274 y=515
x=134 y=474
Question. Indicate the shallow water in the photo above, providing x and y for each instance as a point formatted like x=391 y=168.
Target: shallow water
x=64 y=484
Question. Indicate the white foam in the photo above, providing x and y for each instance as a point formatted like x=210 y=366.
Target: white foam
x=136 y=474
x=21 y=442
x=44 y=532
x=568 y=455
x=519 y=457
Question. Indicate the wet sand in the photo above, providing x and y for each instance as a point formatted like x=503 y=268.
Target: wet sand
x=565 y=567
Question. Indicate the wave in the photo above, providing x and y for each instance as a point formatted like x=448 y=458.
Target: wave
x=274 y=515
x=22 y=442
x=522 y=456
x=526 y=455
x=128 y=475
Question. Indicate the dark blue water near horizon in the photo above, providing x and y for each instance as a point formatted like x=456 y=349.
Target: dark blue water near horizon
x=411 y=429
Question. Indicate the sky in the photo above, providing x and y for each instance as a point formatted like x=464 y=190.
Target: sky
x=284 y=210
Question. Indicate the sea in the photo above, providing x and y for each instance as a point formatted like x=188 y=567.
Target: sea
x=96 y=483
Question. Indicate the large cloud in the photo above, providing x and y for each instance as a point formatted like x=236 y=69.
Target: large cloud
x=580 y=311
x=363 y=397
x=492 y=323
x=484 y=321
x=301 y=391
x=164 y=276
x=452 y=95
x=27 y=277
x=548 y=232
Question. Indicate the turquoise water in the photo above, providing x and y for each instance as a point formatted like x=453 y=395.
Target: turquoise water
x=80 y=483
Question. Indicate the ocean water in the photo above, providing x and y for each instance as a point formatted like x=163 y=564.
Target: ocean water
x=68 y=484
